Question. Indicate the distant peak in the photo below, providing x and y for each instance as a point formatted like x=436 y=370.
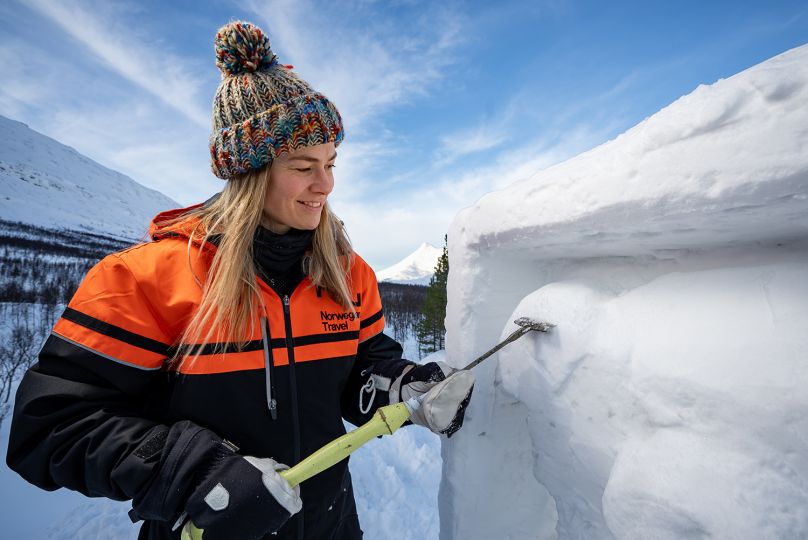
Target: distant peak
x=415 y=268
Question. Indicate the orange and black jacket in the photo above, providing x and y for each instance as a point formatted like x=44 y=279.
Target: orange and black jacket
x=104 y=413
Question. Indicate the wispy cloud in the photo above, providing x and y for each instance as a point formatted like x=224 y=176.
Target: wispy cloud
x=365 y=69
x=425 y=214
x=19 y=88
x=491 y=130
x=111 y=121
x=154 y=69
x=470 y=141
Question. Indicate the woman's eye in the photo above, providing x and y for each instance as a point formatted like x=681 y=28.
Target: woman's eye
x=330 y=166
x=307 y=169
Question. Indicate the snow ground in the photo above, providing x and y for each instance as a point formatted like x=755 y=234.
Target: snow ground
x=670 y=400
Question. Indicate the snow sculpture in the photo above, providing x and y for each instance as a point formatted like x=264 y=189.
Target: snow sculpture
x=672 y=399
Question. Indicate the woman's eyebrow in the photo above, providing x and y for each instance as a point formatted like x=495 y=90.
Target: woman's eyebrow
x=311 y=159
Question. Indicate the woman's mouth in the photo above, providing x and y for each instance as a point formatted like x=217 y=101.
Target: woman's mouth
x=311 y=204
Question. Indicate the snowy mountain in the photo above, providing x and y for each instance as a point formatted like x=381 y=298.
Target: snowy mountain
x=48 y=184
x=415 y=269
x=669 y=402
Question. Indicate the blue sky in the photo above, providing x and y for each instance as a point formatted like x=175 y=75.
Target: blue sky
x=443 y=101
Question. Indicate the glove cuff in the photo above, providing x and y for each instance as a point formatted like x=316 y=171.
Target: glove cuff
x=277 y=485
x=395 y=388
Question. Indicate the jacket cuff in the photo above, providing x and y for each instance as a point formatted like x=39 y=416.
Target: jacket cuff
x=187 y=455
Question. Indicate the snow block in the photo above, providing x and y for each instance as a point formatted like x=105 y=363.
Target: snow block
x=669 y=402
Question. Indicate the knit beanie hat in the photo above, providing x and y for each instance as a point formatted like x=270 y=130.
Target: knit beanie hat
x=262 y=109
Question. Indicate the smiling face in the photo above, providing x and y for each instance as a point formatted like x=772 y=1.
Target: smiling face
x=299 y=183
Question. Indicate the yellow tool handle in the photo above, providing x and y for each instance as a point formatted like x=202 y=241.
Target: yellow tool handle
x=385 y=421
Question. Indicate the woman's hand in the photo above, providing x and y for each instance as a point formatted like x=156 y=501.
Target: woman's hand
x=242 y=497
x=444 y=393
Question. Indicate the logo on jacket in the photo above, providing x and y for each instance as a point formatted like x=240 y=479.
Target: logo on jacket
x=356 y=303
x=337 y=322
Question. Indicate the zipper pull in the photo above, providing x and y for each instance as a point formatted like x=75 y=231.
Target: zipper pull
x=232 y=447
x=286 y=304
x=265 y=338
x=273 y=408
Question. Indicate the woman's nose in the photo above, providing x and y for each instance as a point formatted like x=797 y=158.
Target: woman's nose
x=323 y=182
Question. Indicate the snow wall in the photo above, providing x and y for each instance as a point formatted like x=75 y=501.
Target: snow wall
x=671 y=401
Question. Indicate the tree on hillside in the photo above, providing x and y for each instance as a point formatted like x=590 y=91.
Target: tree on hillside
x=17 y=353
x=402 y=308
x=431 y=330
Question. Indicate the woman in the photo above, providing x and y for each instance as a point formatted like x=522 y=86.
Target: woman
x=187 y=371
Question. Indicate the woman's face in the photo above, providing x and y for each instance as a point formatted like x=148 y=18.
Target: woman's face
x=299 y=183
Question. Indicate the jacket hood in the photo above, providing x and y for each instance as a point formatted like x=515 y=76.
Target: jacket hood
x=163 y=225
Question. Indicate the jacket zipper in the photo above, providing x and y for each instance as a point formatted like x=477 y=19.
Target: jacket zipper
x=290 y=348
x=269 y=368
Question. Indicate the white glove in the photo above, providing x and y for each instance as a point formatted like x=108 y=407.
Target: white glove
x=444 y=393
x=288 y=496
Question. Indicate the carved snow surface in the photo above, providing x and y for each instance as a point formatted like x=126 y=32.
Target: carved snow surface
x=670 y=400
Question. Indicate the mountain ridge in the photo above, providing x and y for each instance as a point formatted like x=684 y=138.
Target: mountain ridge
x=51 y=185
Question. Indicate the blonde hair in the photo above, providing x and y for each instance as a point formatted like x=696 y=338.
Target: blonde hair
x=230 y=293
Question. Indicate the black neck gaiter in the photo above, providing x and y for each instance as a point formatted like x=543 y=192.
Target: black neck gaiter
x=278 y=257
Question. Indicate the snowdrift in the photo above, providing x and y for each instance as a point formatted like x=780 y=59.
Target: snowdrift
x=670 y=401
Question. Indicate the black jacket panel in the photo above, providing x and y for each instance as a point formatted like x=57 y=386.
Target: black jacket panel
x=75 y=426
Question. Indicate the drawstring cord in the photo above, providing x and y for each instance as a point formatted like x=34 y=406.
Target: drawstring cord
x=369 y=388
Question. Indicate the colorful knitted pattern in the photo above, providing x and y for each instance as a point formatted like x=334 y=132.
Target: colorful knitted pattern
x=262 y=109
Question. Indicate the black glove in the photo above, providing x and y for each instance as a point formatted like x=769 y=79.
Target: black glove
x=444 y=393
x=242 y=497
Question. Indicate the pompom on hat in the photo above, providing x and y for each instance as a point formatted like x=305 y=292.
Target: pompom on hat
x=262 y=109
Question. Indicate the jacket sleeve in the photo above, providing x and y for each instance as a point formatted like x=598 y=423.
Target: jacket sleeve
x=378 y=359
x=85 y=415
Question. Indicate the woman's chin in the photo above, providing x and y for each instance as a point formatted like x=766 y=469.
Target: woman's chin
x=307 y=225
x=310 y=222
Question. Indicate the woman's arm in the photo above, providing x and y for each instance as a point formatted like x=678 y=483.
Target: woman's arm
x=87 y=415
x=378 y=359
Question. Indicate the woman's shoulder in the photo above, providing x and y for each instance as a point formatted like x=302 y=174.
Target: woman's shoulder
x=357 y=263
x=150 y=256
x=361 y=270
x=167 y=264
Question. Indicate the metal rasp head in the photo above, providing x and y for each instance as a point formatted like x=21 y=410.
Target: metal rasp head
x=526 y=324
x=533 y=324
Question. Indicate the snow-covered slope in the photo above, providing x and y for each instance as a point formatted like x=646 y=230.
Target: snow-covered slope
x=415 y=269
x=48 y=184
x=670 y=400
